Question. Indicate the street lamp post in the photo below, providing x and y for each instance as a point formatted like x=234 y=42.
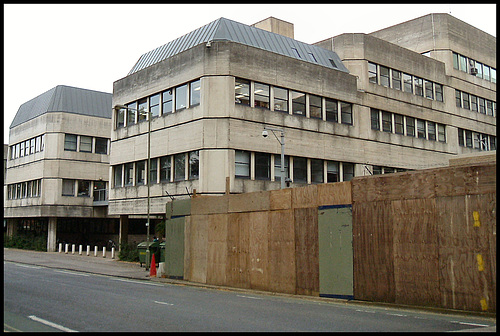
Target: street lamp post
x=148 y=113
x=282 y=143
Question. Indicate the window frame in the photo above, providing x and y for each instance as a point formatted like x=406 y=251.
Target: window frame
x=68 y=141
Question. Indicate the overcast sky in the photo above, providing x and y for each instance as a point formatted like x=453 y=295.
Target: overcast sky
x=92 y=45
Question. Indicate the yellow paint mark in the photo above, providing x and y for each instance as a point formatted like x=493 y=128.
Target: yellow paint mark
x=480 y=265
x=484 y=305
x=477 y=223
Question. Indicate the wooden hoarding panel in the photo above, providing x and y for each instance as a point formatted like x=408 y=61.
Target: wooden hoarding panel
x=174 y=247
x=258 y=250
x=237 y=251
x=338 y=193
x=305 y=197
x=306 y=250
x=217 y=249
x=198 y=243
x=247 y=202
x=280 y=199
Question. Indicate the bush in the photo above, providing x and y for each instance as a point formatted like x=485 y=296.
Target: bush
x=26 y=242
x=129 y=252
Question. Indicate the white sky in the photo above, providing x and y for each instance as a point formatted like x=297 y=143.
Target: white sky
x=92 y=45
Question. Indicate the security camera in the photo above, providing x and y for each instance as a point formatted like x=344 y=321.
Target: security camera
x=264 y=133
x=209 y=44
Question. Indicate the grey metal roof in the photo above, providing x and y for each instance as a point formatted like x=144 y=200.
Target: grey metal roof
x=227 y=30
x=64 y=98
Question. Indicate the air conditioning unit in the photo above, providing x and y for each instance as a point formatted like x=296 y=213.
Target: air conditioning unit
x=473 y=71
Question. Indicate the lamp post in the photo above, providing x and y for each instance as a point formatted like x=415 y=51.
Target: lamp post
x=148 y=113
x=282 y=143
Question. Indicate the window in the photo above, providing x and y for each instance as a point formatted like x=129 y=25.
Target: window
x=455 y=60
x=348 y=171
x=194 y=165
x=493 y=143
x=68 y=187
x=280 y=99
x=486 y=72
x=299 y=170
x=442 y=133
x=468 y=139
x=346 y=113
x=118 y=173
x=431 y=130
x=398 y=124
x=131 y=114
x=489 y=107
x=120 y=118
x=83 y=188
x=179 y=167
x=129 y=174
x=477 y=140
x=242 y=91
x=165 y=168
x=317 y=175
x=99 y=191
x=384 y=76
x=140 y=172
x=181 y=97
x=465 y=101
x=262 y=166
x=473 y=103
x=153 y=171
x=154 y=105
x=298 y=103
x=26 y=148
x=421 y=132
x=372 y=73
x=377 y=170
x=458 y=98
x=143 y=110
x=461 y=137
x=194 y=93
x=462 y=63
x=242 y=164
x=439 y=92
x=101 y=146
x=277 y=167
x=32 y=146
x=408 y=83
x=396 y=79
x=261 y=95
x=315 y=106
x=331 y=107
x=167 y=97
x=332 y=171
x=479 y=68
x=429 y=90
x=419 y=86
x=481 y=103
x=85 y=144
x=386 y=122
x=493 y=73
x=375 y=118
x=69 y=142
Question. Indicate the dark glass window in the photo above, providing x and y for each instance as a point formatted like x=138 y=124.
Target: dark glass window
x=165 y=168
x=153 y=171
x=421 y=132
x=85 y=144
x=384 y=76
x=419 y=86
x=128 y=174
x=299 y=170
x=131 y=113
x=465 y=100
x=262 y=166
x=298 y=103
x=315 y=103
x=386 y=122
x=277 y=167
x=140 y=172
x=348 y=171
x=118 y=170
x=179 y=167
x=375 y=118
x=143 y=110
x=396 y=79
x=101 y=146
x=69 y=143
x=83 y=188
x=120 y=118
x=332 y=112
x=431 y=130
x=398 y=124
x=346 y=113
x=68 y=187
x=332 y=171
x=194 y=165
x=439 y=92
x=280 y=99
x=317 y=175
x=408 y=83
x=429 y=91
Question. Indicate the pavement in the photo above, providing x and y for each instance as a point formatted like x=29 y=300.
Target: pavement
x=132 y=270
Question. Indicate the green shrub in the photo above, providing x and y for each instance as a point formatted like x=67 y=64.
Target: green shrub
x=26 y=242
x=129 y=252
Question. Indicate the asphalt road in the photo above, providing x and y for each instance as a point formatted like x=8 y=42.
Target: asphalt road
x=39 y=298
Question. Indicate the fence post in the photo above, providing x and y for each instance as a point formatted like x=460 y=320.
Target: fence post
x=104 y=252
x=66 y=248
x=112 y=253
x=72 y=248
x=60 y=247
x=80 y=250
x=95 y=251
x=88 y=250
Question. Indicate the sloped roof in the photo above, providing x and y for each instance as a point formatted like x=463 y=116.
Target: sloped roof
x=65 y=99
x=227 y=30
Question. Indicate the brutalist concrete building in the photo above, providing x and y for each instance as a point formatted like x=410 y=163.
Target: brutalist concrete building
x=58 y=167
x=407 y=97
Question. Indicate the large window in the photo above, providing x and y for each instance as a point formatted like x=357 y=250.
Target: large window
x=68 y=187
x=165 y=168
x=332 y=110
x=242 y=91
x=194 y=93
x=120 y=118
x=315 y=106
x=242 y=164
x=153 y=171
x=317 y=175
x=83 y=188
x=408 y=83
x=348 y=171
x=372 y=73
x=280 y=99
x=387 y=122
x=154 y=105
x=85 y=144
x=396 y=79
x=384 y=76
x=118 y=173
x=262 y=166
x=179 y=167
x=421 y=131
x=429 y=90
x=101 y=146
x=167 y=101
x=131 y=113
x=143 y=110
x=194 y=165
x=398 y=124
x=298 y=103
x=140 y=172
x=299 y=170
x=332 y=171
x=431 y=130
x=410 y=126
x=69 y=142
x=277 y=167
x=419 y=86
x=346 y=113
x=375 y=119
x=261 y=95
x=128 y=174
x=439 y=92
x=181 y=97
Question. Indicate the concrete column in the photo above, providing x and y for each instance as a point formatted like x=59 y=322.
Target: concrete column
x=51 y=234
x=123 y=234
x=11 y=227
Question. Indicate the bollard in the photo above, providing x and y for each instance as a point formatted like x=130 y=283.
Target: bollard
x=80 y=250
x=66 y=248
x=104 y=252
x=88 y=250
x=73 y=249
x=112 y=253
x=60 y=247
x=95 y=251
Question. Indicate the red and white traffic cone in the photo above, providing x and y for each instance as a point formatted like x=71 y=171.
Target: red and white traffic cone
x=152 y=269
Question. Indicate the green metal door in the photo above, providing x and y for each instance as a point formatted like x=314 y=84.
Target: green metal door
x=335 y=251
x=174 y=247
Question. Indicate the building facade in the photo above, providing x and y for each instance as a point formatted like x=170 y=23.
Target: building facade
x=351 y=105
x=58 y=167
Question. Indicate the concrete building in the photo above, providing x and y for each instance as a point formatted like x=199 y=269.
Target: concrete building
x=58 y=167
x=402 y=98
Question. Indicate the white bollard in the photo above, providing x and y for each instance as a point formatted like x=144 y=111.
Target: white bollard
x=104 y=252
x=80 y=250
x=88 y=250
x=73 y=249
x=60 y=247
x=66 y=248
x=112 y=253
x=95 y=251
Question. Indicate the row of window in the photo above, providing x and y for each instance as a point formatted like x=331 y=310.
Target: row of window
x=476 y=140
x=87 y=144
x=27 y=189
x=379 y=170
x=478 y=104
x=265 y=166
x=27 y=147
x=385 y=76
x=82 y=188
x=275 y=98
x=169 y=101
x=463 y=63
x=165 y=169
x=405 y=125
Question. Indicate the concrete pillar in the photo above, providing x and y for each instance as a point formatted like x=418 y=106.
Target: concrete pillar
x=51 y=234
x=11 y=227
x=123 y=234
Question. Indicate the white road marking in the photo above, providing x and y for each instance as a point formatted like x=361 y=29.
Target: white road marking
x=138 y=282
x=396 y=314
x=164 y=303
x=365 y=311
x=51 y=324
x=472 y=324
x=249 y=297
x=27 y=266
x=72 y=273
